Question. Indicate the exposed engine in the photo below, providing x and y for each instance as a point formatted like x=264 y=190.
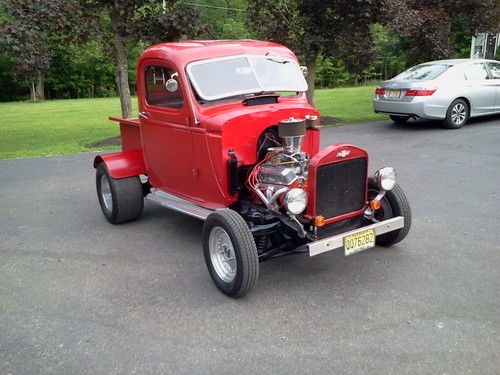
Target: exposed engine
x=280 y=178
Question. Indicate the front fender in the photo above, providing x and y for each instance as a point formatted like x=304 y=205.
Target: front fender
x=123 y=164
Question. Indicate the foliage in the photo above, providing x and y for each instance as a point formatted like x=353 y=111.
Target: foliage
x=332 y=73
x=339 y=29
x=429 y=26
x=26 y=30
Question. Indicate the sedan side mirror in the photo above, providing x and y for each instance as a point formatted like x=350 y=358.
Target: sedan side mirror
x=304 y=70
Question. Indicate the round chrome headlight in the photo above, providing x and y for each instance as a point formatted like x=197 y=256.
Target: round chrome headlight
x=296 y=201
x=385 y=178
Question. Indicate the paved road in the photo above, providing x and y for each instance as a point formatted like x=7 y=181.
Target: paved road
x=78 y=295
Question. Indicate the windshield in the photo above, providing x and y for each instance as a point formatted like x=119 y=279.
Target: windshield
x=424 y=72
x=239 y=75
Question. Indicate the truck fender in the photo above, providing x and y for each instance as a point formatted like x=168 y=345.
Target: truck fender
x=123 y=164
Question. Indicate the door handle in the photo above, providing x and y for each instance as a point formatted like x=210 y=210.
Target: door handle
x=144 y=115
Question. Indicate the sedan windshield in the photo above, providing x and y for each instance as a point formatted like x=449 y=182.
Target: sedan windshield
x=245 y=74
x=424 y=72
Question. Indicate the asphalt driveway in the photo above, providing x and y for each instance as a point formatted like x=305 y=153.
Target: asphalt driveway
x=79 y=295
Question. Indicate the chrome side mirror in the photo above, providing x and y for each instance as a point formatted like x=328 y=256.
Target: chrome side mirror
x=172 y=85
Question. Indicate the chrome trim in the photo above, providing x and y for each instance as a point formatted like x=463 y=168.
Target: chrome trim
x=178 y=204
x=337 y=241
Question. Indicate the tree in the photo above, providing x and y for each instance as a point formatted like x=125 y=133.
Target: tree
x=338 y=29
x=134 y=20
x=26 y=29
x=429 y=25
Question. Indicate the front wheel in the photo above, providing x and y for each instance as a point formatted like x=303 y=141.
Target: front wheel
x=394 y=203
x=230 y=253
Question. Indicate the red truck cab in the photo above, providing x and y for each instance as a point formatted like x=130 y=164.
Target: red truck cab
x=225 y=134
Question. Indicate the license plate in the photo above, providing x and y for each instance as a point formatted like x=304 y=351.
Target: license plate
x=394 y=93
x=360 y=241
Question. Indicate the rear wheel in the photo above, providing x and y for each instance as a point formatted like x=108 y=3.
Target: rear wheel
x=230 y=253
x=121 y=199
x=399 y=119
x=457 y=114
x=394 y=203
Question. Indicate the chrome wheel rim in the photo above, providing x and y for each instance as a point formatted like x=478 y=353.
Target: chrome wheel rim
x=106 y=193
x=458 y=114
x=222 y=254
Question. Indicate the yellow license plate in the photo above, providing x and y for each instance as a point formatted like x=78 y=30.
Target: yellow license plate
x=360 y=241
x=394 y=93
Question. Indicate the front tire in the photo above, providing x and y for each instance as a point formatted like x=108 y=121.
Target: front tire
x=399 y=119
x=121 y=199
x=230 y=253
x=457 y=114
x=394 y=203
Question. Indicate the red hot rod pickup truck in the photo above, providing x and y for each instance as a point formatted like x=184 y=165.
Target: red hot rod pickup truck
x=225 y=134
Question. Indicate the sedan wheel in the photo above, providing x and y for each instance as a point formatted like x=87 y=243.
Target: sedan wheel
x=457 y=114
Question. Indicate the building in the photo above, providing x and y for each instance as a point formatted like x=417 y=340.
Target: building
x=484 y=46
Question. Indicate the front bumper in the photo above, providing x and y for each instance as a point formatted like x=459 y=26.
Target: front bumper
x=337 y=241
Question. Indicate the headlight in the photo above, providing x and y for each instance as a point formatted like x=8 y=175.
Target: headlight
x=385 y=178
x=296 y=201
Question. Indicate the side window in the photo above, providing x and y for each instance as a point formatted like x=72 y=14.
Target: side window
x=495 y=69
x=476 y=72
x=156 y=91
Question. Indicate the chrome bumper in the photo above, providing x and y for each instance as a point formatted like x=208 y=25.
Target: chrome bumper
x=337 y=241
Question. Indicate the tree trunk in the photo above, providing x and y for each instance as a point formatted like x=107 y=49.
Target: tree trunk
x=311 y=76
x=33 y=90
x=121 y=62
x=40 y=86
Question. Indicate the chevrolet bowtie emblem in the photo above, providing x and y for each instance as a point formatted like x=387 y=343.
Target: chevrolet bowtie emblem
x=343 y=153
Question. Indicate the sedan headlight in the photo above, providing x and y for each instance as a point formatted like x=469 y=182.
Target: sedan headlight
x=385 y=178
x=296 y=201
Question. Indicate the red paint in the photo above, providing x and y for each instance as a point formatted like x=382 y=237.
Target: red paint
x=185 y=150
x=330 y=155
x=123 y=164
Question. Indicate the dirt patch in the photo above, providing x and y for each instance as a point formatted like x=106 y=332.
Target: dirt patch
x=112 y=141
x=329 y=120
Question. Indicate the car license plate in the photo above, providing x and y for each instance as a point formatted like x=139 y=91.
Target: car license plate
x=360 y=241
x=394 y=93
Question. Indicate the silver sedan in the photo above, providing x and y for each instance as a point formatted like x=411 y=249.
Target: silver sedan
x=449 y=90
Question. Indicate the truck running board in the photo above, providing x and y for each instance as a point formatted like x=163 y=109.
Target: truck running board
x=178 y=204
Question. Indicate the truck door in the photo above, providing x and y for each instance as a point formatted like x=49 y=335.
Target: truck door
x=166 y=130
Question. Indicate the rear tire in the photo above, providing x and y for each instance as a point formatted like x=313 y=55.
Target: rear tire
x=399 y=119
x=230 y=253
x=457 y=114
x=121 y=199
x=394 y=203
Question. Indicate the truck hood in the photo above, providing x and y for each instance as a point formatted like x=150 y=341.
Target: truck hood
x=259 y=117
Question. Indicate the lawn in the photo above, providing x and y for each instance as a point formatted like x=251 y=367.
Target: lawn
x=350 y=104
x=57 y=127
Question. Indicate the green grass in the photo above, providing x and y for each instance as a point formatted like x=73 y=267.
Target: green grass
x=351 y=104
x=56 y=127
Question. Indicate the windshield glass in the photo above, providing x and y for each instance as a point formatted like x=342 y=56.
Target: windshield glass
x=425 y=72
x=239 y=75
